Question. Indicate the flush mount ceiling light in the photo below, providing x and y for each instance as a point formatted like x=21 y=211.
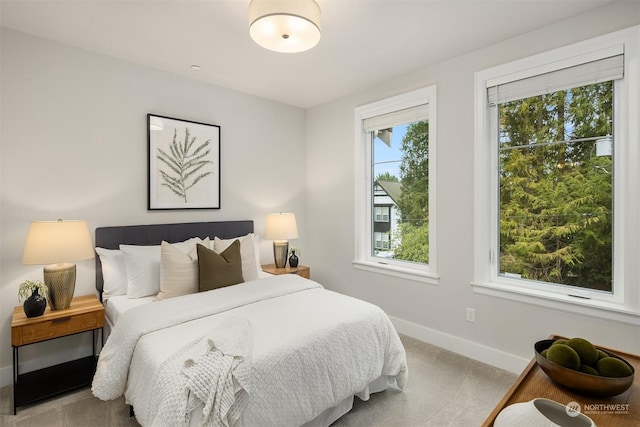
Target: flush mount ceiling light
x=287 y=26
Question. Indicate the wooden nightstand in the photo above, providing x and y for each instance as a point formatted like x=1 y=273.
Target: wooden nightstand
x=86 y=314
x=300 y=270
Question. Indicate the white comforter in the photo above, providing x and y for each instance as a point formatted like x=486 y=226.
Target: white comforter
x=212 y=374
x=311 y=348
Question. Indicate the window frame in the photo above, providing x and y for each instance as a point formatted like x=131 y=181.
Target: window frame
x=624 y=303
x=363 y=258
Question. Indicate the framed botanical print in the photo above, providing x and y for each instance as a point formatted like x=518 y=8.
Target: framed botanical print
x=183 y=164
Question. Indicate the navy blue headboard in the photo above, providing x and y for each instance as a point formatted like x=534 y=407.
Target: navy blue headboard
x=154 y=234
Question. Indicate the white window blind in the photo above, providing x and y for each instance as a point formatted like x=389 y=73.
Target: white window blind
x=601 y=70
x=394 y=118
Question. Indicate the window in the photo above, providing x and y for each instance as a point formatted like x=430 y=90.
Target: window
x=555 y=198
x=381 y=241
x=395 y=173
x=382 y=213
x=556 y=181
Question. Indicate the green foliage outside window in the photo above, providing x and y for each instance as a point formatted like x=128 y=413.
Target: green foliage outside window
x=412 y=241
x=556 y=193
x=386 y=176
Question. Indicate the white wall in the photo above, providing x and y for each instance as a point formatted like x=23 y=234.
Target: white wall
x=74 y=145
x=504 y=331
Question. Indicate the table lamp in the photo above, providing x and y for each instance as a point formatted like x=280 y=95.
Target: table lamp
x=58 y=243
x=281 y=227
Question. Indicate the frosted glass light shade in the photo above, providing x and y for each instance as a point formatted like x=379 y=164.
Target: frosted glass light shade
x=52 y=242
x=287 y=26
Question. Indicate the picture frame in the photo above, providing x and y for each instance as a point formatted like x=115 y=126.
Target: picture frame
x=183 y=164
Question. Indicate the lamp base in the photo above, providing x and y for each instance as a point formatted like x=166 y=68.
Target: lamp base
x=280 y=252
x=61 y=282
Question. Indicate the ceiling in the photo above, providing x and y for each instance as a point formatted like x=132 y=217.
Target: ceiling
x=363 y=41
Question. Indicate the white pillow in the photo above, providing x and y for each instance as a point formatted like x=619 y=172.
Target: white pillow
x=143 y=267
x=250 y=263
x=179 y=269
x=114 y=273
x=143 y=270
x=256 y=249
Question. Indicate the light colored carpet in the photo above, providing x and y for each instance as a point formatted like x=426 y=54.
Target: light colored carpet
x=445 y=389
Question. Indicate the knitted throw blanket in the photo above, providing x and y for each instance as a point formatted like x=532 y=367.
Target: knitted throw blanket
x=212 y=372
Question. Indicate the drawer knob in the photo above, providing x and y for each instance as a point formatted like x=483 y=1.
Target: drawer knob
x=61 y=319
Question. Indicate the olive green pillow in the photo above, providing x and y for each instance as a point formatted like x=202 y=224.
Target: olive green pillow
x=219 y=270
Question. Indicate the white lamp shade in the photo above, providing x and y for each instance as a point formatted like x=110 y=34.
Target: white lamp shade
x=287 y=26
x=52 y=242
x=281 y=226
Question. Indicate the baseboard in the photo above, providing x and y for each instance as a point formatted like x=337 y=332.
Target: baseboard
x=473 y=350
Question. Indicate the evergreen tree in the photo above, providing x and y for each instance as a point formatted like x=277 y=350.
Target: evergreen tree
x=412 y=241
x=386 y=176
x=555 y=197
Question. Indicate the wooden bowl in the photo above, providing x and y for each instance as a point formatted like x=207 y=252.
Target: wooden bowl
x=591 y=385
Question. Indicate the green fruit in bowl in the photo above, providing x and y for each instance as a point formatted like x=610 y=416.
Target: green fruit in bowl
x=588 y=370
x=587 y=351
x=611 y=375
x=563 y=355
x=601 y=354
x=613 y=367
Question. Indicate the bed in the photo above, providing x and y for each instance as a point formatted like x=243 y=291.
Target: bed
x=269 y=351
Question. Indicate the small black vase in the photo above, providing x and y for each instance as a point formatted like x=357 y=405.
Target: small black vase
x=35 y=305
x=293 y=260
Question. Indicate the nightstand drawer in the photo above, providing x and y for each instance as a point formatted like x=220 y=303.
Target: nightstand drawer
x=59 y=327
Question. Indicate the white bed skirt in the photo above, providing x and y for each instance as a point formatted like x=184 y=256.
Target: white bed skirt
x=330 y=415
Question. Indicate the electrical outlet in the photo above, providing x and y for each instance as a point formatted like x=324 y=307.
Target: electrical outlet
x=471 y=314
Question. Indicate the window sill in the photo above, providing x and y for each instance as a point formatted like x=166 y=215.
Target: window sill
x=587 y=307
x=396 y=271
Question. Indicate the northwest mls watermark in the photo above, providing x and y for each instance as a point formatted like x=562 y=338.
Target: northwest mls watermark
x=574 y=408
x=606 y=408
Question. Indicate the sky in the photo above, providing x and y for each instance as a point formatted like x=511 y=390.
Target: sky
x=382 y=154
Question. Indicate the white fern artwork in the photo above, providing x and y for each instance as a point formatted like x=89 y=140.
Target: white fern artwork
x=183 y=164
